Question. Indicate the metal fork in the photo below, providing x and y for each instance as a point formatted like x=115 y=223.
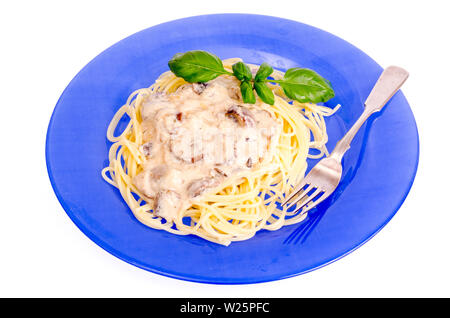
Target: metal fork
x=325 y=176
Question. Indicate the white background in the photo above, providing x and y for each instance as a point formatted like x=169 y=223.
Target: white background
x=44 y=44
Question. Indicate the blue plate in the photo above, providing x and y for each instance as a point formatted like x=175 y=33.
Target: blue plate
x=378 y=170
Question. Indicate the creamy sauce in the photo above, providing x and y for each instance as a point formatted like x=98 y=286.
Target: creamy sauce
x=196 y=138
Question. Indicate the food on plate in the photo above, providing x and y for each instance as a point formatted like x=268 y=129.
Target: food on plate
x=213 y=147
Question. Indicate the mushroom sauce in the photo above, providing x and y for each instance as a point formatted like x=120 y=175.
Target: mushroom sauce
x=196 y=138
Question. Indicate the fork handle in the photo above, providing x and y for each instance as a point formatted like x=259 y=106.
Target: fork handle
x=387 y=85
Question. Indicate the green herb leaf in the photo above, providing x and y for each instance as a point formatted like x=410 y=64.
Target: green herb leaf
x=196 y=66
x=306 y=86
x=247 y=93
x=242 y=71
x=265 y=93
x=263 y=72
x=301 y=84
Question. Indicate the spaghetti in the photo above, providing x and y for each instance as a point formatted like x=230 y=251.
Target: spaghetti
x=243 y=203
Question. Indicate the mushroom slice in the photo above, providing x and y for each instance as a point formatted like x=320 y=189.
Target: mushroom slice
x=158 y=172
x=166 y=204
x=241 y=115
x=197 y=187
x=220 y=172
x=184 y=150
x=147 y=149
x=249 y=163
x=198 y=88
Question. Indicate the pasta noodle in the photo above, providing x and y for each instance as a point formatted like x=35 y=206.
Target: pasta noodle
x=246 y=202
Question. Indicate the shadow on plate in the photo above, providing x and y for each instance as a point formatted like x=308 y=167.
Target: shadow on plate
x=351 y=165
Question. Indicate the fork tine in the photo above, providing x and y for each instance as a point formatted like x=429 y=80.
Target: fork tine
x=296 y=191
x=315 y=203
x=309 y=198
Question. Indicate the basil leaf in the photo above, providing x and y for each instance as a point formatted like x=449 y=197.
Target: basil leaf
x=196 y=66
x=263 y=72
x=247 y=93
x=265 y=93
x=242 y=71
x=306 y=86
